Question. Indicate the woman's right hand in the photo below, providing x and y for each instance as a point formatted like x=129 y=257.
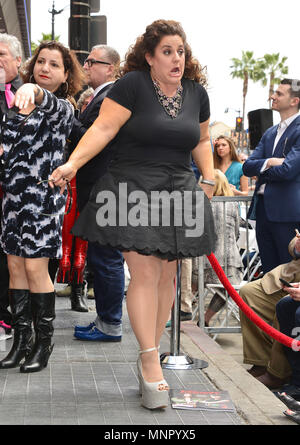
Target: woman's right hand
x=61 y=175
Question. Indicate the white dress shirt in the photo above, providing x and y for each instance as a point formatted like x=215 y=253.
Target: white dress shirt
x=100 y=87
x=282 y=126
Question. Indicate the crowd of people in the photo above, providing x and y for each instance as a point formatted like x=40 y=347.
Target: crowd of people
x=138 y=133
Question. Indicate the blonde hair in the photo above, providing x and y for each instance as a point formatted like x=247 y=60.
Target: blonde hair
x=222 y=187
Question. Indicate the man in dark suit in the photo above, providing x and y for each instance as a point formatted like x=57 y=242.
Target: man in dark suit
x=10 y=61
x=101 y=67
x=276 y=164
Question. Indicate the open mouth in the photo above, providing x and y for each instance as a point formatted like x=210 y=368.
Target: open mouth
x=175 y=70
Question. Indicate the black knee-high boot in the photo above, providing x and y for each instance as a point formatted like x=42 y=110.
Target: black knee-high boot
x=43 y=312
x=21 y=322
x=77 y=297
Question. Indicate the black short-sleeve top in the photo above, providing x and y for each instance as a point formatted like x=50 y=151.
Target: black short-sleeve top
x=151 y=134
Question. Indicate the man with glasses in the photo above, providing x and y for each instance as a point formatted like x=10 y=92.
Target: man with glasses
x=101 y=67
x=10 y=61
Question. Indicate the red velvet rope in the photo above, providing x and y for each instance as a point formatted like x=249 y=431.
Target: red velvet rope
x=274 y=333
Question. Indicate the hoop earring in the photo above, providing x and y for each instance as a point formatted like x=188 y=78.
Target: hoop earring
x=66 y=87
x=30 y=79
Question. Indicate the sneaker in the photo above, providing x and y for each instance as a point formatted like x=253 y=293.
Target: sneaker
x=96 y=335
x=84 y=328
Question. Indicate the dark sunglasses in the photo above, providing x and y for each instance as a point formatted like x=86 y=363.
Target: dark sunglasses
x=91 y=62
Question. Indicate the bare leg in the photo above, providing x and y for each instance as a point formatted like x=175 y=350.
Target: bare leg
x=208 y=315
x=38 y=275
x=17 y=272
x=146 y=298
x=166 y=295
x=29 y=273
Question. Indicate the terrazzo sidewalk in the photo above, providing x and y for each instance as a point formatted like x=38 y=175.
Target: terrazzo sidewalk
x=93 y=383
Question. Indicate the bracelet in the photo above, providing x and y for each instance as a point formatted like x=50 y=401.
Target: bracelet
x=38 y=93
x=208 y=182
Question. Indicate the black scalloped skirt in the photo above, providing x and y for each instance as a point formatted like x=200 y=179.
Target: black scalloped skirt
x=153 y=209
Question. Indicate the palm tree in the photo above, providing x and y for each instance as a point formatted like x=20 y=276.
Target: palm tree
x=44 y=37
x=273 y=69
x=245 y=68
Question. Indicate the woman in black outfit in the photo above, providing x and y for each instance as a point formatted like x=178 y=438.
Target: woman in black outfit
x=158 y=113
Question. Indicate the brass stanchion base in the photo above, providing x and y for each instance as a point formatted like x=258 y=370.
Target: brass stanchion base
x=169 y=361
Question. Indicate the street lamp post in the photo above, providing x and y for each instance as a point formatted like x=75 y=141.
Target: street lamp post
x=79 y=28
x=54 y=13
x=242 y=124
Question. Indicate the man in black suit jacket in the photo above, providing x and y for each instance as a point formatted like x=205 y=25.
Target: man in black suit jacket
x=10 y=61
x=101 y=67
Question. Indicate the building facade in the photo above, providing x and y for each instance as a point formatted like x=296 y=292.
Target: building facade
x=15 y=19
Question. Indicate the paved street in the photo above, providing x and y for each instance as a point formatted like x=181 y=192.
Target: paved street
x=92 y=383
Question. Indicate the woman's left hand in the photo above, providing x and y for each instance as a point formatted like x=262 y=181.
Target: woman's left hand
x=62 y=174
x=208 y=190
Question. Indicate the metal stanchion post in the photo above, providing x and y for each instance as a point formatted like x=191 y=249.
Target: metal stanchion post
x=174 y=359
x=201 y=322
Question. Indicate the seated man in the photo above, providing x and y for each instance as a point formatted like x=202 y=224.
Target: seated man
x=288 y=315
x=270 y=365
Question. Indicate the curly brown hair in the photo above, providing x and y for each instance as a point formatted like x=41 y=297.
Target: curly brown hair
x=76 y=75
x=135 y=58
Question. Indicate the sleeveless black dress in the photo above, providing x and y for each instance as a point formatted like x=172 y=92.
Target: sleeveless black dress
x=149 y=200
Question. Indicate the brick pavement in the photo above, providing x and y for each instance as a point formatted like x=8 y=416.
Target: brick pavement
x=92 y=383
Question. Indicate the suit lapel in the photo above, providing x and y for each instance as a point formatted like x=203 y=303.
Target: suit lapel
x=270 y=144
x=98 y=98
x=281 y=145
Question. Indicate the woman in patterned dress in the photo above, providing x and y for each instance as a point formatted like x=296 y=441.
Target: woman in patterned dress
x=33 y=141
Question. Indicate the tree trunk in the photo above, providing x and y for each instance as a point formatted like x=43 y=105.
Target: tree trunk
x=271 y=88
x=245 y=90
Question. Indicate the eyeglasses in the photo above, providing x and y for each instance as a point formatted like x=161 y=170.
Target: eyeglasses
x=91 y=62
x=52 y=198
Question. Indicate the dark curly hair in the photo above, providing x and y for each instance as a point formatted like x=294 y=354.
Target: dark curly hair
x=146 y=43
x=76 y=76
